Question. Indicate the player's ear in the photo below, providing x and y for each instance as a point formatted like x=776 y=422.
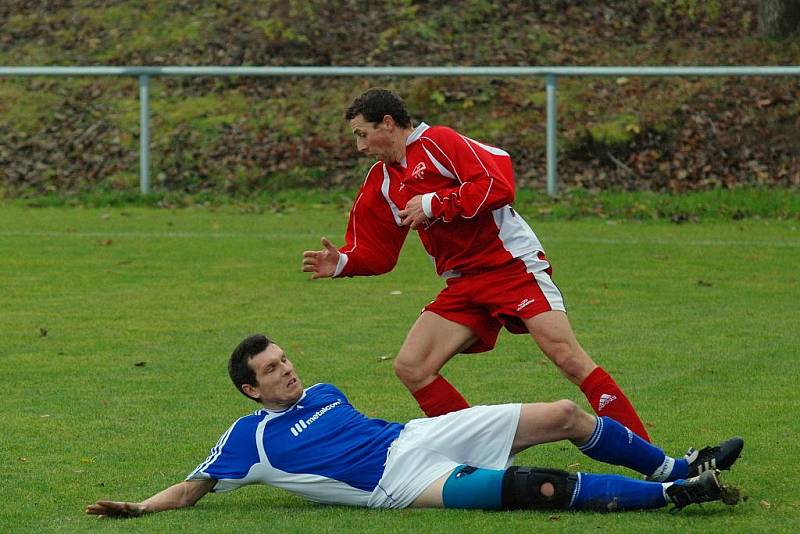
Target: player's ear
x=251 y=392
x=388 y=122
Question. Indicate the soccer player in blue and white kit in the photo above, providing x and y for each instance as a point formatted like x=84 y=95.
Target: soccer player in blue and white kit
x=314 y=443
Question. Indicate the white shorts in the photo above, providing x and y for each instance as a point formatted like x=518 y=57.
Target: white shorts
x=427 y=449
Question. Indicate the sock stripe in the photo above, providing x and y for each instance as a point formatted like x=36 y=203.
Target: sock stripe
x=575 y=491
x=595 y=437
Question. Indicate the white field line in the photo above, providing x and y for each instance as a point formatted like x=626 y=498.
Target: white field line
x=680 y=242
x=159 y=235
x=295 y=236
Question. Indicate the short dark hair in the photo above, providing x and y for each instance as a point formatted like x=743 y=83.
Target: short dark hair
x=375 y=103
x=239 y=364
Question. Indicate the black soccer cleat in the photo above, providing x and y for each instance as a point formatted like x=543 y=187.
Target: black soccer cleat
x=703 y=488
x=721 y=457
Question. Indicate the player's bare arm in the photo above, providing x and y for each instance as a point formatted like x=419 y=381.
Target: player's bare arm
x=321 y=263
x=180 y=495
x=413 y=214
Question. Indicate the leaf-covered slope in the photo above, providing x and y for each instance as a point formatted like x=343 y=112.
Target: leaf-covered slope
x=235 y=135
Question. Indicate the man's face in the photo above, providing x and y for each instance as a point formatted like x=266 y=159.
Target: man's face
x=277 y=385
x=375 y=139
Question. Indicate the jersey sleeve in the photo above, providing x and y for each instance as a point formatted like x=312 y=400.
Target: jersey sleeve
x=484 y=173
x=374 y=235
x=230 y=459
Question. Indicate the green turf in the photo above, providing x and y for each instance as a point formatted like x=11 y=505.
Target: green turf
x=116 y=324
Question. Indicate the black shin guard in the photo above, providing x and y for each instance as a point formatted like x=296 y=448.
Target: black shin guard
x=522 y=488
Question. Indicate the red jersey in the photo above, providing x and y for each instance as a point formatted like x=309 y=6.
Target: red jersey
x=467 y=189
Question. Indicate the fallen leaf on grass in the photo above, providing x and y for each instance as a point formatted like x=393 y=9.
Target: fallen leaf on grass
x=140 y=364
x=633 y=128
x=765 y=505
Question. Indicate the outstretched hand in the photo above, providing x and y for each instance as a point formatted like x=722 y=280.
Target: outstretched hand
x=321 y=263
x=115 y=509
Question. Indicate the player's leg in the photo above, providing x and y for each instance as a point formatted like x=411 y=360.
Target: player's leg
x=615 y=493
x=525 y=298
x=430 y=343
x=606 y=440
x=454 y=322
x=553 y=333
x=547 y=422
x=600 y=438
x=468 y=487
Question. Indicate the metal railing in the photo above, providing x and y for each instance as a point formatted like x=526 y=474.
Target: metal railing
x=550 y=74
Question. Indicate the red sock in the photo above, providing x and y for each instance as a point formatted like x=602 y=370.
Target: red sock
x=439 y=397
x=607 y=398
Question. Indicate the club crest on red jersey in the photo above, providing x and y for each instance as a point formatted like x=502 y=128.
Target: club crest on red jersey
x=418 y=171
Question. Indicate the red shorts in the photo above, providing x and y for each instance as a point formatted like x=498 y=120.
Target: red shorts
x=487 y=301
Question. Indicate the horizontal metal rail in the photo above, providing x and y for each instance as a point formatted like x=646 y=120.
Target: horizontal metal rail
x=549 y=73
x=403 y=71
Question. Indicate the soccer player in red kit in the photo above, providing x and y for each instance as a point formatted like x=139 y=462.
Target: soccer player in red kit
x=456 y=193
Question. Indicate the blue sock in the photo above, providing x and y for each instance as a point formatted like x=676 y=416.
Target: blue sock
x=612 y=493
x=470 y=487
x=614 y=443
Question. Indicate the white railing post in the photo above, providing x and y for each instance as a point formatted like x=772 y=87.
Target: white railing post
x=144 y=134
x=552 y=188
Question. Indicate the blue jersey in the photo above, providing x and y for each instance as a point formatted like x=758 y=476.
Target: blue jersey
x=320 y=448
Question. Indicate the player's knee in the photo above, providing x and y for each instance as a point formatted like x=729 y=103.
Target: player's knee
x=532 y=488
x=565 y=415
x=409 y=374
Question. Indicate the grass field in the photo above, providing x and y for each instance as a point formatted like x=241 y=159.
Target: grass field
x=116 y=324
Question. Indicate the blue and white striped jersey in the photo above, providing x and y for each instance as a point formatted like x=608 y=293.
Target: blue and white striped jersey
x=321 y=448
